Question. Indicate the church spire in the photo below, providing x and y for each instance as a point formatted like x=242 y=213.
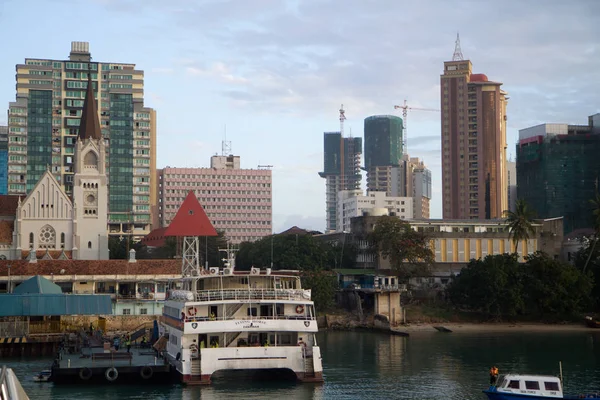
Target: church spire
x=90 y=124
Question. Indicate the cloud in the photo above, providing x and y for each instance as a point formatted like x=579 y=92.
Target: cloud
x=419 y=140
x=294 y=62
x=162 y=70
x=217 y=70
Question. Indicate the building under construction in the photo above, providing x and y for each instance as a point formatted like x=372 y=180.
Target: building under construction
x=383 y=150
x=341 y=170
x=558 y=171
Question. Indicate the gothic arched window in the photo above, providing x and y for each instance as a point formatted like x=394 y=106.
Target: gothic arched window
x=62 y=240
x=89 y=245
x=31 y=240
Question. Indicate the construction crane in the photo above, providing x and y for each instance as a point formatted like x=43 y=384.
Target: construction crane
x=342 y=119
x=405 y=109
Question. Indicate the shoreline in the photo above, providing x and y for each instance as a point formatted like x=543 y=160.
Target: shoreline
x=494 y=327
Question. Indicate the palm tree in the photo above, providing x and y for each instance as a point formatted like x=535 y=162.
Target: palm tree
x=520 y=222
x=595 y=202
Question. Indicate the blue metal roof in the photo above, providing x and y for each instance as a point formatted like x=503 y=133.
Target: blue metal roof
x=54 y=304
x=38 y=284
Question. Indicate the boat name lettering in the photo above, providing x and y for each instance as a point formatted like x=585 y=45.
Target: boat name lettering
x=253 y=324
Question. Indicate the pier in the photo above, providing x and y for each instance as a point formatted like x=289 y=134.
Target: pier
x=100 y=362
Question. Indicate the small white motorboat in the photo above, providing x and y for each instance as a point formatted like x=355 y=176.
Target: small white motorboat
x=43 y=376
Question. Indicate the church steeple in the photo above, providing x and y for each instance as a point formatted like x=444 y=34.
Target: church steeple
x=89 y=127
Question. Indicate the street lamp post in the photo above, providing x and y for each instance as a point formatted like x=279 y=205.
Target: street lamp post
x=8 y=289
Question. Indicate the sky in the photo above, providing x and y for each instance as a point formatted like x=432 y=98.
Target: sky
x=270 y=75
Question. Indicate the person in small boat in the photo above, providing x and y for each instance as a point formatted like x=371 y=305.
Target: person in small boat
x=493 y=375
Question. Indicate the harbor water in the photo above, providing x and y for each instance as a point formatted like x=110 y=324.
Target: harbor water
x=366 y=365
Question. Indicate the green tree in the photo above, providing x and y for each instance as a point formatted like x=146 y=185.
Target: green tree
x=323 y=286
x=520 y=222
x=166 y=251
x=595 y=203
x=173 y=245
x=498 y=286
x=303 y=252
x=408 y=251
x=492 y=286
x=554 y=288
x=118 y=247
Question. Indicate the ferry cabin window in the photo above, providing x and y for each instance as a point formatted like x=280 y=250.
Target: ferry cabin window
x=285 y=339
x=532 y=385
x=244 y=281
x=514 y=385
x=552 y=386
x=251 y=311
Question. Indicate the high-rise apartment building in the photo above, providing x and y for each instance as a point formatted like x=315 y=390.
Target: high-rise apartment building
x=412 y=179
x=44 y=121
x=341 y=171
x=3 y=159
x=473 y=143
x=237 y=201
x=383 y=150
x=558 y=171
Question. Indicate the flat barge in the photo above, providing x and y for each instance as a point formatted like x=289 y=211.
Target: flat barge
x=105 y=365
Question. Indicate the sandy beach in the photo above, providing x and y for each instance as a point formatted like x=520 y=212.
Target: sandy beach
x=500 y=327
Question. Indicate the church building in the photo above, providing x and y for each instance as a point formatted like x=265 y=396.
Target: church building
x=49 y=224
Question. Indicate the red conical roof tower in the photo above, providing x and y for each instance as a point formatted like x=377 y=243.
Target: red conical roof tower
x=190 y=220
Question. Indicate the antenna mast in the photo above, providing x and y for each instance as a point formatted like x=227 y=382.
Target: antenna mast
x=342 y=164
x=225 y=144
x=457 y=56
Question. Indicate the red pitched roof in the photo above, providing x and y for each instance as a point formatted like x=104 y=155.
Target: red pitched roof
x=91 y=267
x=190 y=220
x=156 y=238
x=8 y=205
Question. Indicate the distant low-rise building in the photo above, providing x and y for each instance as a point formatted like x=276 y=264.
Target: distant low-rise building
x=353 y=203
x=456 y=242
x=136 y=288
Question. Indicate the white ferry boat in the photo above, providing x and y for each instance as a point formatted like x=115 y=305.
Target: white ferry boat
x=255 y=320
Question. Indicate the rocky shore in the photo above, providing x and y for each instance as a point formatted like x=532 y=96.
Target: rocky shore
x=349 y=321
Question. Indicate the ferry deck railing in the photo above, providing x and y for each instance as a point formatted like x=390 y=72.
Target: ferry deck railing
x=249 y=318
x=251 y=294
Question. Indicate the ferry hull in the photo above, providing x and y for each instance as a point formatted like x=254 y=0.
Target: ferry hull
x=305 y=368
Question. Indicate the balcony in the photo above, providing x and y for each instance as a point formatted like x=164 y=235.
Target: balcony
x=255 y=324
x=252 y=294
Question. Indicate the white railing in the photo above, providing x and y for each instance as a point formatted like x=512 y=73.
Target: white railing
x=298 y=317
x=10 y=387
x=252 y=294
